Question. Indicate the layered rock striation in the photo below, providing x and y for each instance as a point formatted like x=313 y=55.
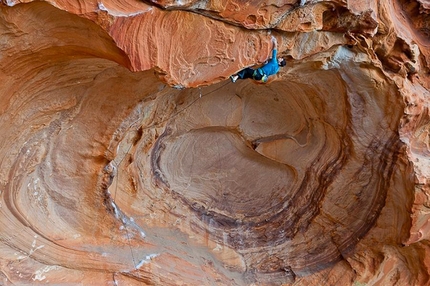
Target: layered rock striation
x=129 y=157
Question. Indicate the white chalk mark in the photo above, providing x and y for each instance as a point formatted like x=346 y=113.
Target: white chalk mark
x=39 y=274
x=147 y=259
x=102 y=7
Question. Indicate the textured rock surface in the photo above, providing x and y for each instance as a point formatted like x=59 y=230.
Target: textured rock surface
x=129 y=158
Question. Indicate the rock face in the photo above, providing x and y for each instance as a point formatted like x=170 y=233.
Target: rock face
x=129 y=158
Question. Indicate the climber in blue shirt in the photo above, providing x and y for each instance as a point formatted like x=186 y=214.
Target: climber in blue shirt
x=262 y=74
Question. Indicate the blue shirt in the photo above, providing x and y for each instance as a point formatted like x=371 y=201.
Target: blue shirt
x=272 y=67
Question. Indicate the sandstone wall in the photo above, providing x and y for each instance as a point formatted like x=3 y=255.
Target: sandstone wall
x=128 y=157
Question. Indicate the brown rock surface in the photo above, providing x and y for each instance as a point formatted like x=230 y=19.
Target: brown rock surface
x=129 y=158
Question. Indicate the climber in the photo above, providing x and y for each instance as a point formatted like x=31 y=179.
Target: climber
x=262 y=74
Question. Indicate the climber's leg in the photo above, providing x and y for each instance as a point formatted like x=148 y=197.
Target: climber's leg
x=245 y=73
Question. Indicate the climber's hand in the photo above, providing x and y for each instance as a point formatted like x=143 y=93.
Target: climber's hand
x=275 y=42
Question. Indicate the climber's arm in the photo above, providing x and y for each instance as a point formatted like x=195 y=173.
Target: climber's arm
x=274 y=51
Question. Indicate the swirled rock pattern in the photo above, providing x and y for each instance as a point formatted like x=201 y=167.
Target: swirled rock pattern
x=129 y=158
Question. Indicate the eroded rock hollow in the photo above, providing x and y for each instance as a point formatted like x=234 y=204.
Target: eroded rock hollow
x=128 y=157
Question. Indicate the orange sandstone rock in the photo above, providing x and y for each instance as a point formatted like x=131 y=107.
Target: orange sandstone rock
x=129 y=157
